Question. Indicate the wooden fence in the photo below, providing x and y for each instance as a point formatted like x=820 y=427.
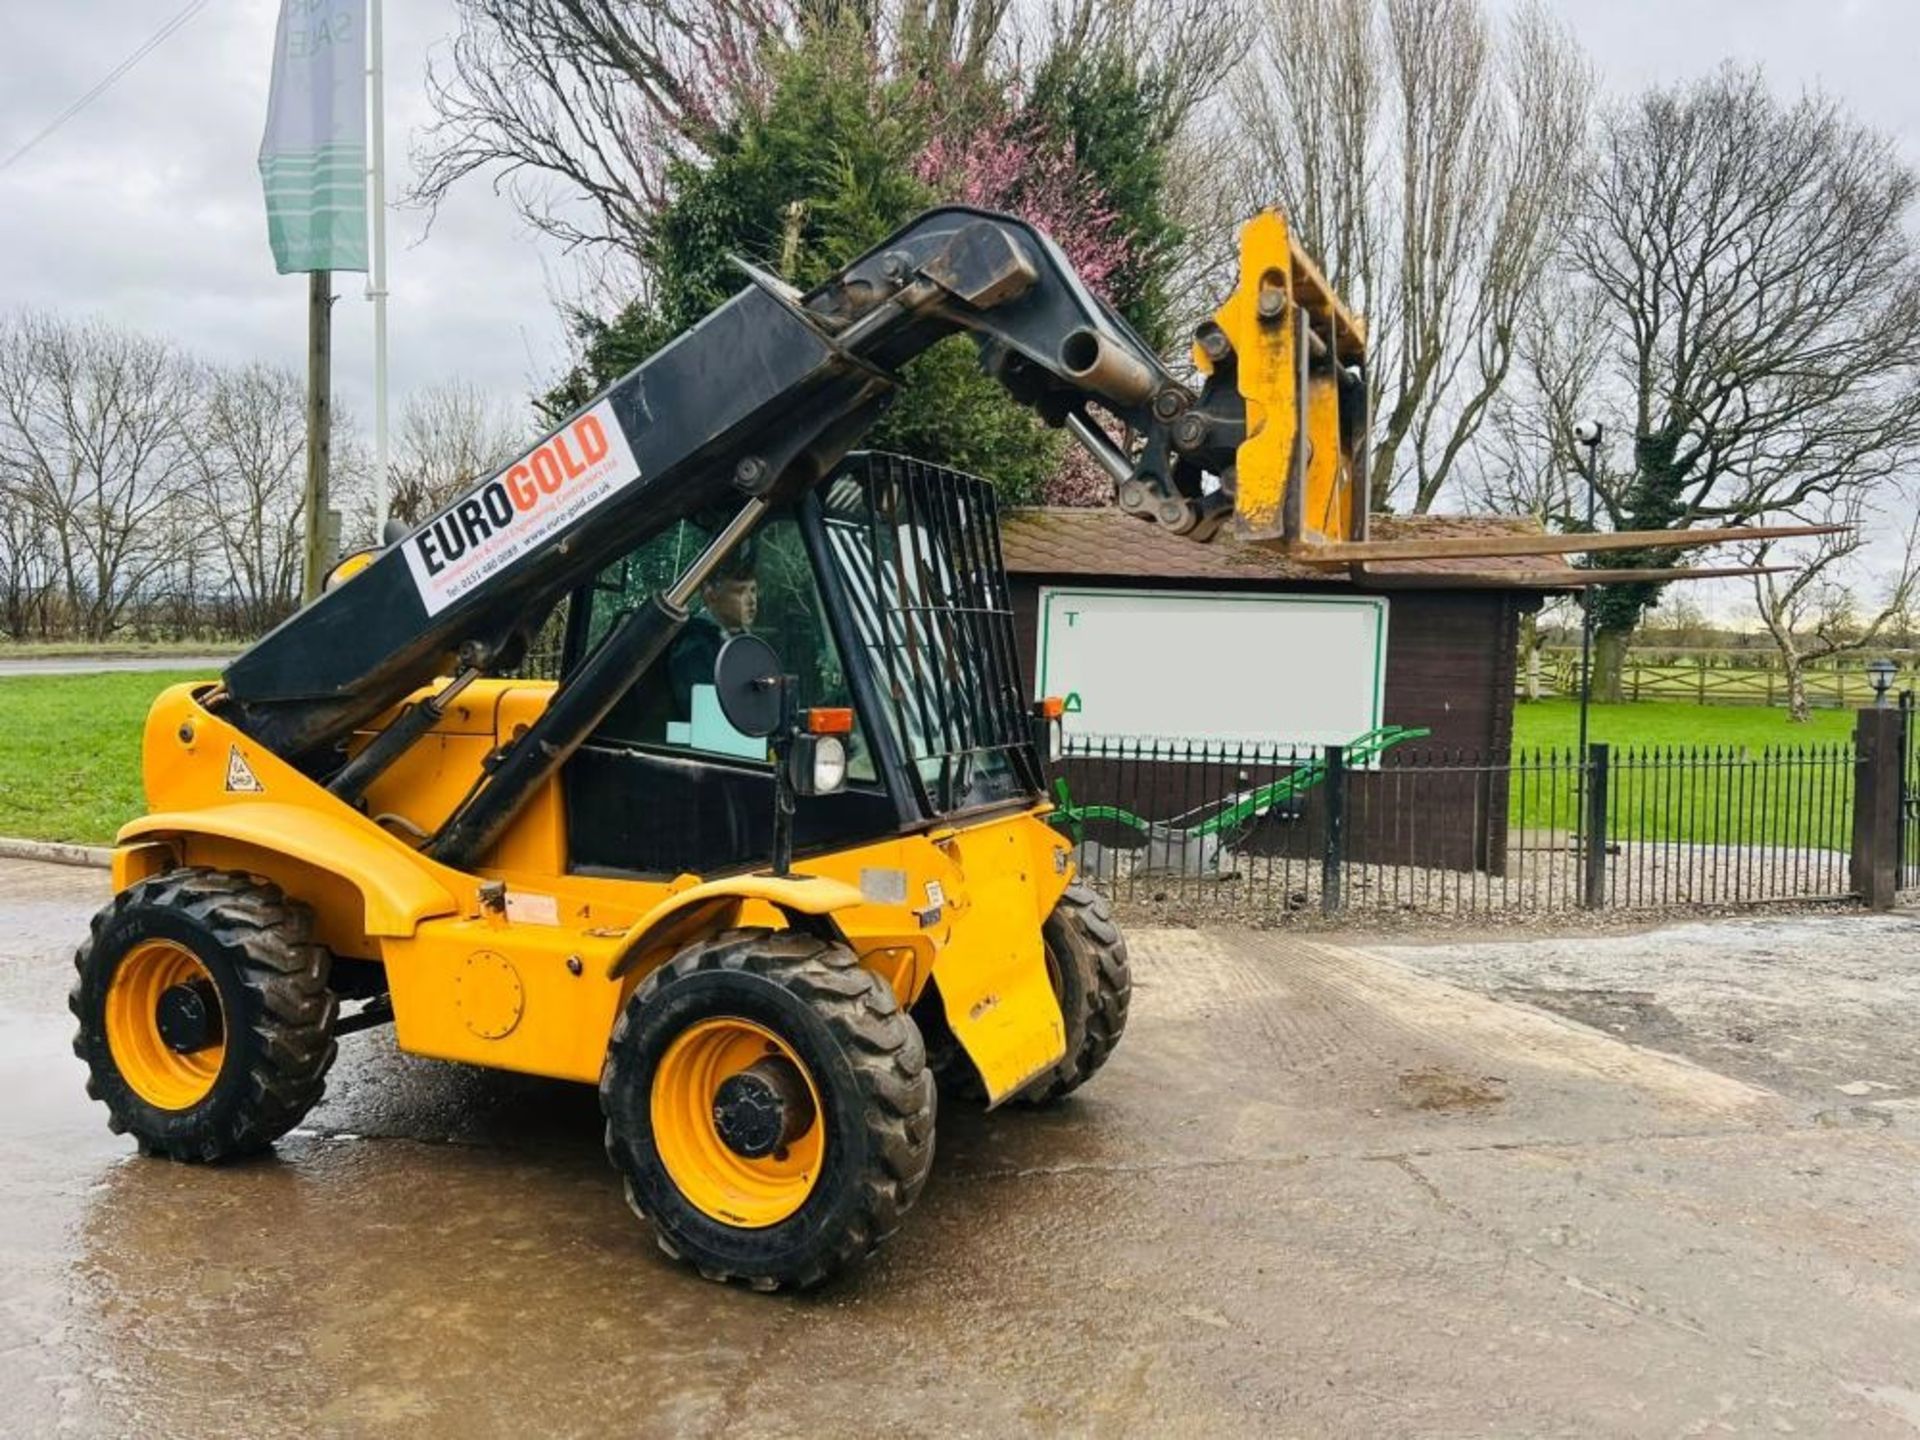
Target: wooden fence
x=1724 y=678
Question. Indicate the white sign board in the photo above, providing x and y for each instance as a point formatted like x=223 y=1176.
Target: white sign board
x=1214 y=665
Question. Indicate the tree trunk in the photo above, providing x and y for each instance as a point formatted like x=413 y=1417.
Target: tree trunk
x=1609 y=664
x=1530 y=650
x=1798 y=710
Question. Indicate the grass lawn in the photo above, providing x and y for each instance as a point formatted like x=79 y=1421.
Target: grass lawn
x=1555 y=724
x=70 y=756
x=1757 y=791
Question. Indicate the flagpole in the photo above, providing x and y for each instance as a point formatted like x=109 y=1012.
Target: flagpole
x=377 y=277
x=315 y=137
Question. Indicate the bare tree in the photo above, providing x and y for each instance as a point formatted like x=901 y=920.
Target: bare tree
x=93 y=432
x=27 y=572
x=1761 y=293
x=1814 y=611
x=250 y=450
x=1183 y=50
x=451 y=435
x=1522 y=460
x=578 y=108
x=1426 y=157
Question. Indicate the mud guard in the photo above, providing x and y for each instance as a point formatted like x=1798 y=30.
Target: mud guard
x=1004 y=1015
x=699 y=908
x=396 y=889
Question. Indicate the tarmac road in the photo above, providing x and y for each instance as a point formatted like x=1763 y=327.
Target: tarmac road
x=1315 y=1192
x=98 y=664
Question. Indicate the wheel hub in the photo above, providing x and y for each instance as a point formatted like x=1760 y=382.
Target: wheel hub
x=762 y=1108
x=164 y=1026
x=738 y=1122
x=188 y=1016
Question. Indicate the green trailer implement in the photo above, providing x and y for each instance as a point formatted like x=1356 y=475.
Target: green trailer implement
x=1193 y=842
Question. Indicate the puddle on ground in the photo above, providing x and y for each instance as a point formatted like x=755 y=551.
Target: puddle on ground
x=1438 y=1088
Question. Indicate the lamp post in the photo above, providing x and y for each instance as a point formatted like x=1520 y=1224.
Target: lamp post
x=1881 y=673
x=1586 y=439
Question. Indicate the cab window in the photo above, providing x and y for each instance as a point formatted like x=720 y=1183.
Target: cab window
x=766 y=588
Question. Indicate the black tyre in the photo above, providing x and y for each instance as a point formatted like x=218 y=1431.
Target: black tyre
x=1087 y=963
x=205 y=1018
x=769 y=1107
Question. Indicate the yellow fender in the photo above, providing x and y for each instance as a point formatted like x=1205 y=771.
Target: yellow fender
x=701 y=909
x=397 y=891
x=272 y=817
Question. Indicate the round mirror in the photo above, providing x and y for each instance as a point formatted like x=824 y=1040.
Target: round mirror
x=746 y=681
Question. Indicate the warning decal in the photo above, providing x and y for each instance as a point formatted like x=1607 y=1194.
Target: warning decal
x=240 y=777
x=533 y=499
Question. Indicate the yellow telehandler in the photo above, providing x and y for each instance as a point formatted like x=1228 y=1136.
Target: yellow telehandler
x=773 y=848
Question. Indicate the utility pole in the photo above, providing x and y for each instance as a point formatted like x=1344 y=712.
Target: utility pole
x=319 y=559
x=1589 y=793
x=377 y=278
x=313 y=171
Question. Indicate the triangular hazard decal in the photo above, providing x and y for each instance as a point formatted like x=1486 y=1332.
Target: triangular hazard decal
x=240 y=777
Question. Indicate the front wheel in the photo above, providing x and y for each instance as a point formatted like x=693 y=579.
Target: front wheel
x=204 y=1014
x=1087 y=965
x=1086 y=959
x=769 y=1107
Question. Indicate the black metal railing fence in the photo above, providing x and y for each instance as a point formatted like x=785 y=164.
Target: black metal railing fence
x=1258 y=830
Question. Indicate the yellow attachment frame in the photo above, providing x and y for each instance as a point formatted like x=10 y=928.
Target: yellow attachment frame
x=1300 y=472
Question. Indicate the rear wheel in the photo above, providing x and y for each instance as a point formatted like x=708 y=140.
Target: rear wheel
x=204 y=1014
x=769 y=1107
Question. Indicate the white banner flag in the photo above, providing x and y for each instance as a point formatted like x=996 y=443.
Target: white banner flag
x=313 y=159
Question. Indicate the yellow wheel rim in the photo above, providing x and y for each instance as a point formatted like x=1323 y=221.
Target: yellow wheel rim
x=749 y=1191
x=159 y=1074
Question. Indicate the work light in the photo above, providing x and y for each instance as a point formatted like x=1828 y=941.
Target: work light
x=817 y=764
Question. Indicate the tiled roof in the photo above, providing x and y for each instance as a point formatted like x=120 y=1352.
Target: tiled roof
x=1105 y=542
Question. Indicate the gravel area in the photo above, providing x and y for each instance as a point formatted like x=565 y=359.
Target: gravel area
x=1819 y=1007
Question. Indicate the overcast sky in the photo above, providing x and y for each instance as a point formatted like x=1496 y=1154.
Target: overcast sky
x=146 y=206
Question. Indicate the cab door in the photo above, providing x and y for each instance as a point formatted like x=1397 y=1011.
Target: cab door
x=665 y=786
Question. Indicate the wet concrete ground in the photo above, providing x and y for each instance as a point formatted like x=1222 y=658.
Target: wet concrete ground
x=1315 y=1192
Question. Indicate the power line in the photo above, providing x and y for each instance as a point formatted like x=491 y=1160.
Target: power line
x=146 y=48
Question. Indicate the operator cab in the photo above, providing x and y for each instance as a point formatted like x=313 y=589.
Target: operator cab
x=882 y=592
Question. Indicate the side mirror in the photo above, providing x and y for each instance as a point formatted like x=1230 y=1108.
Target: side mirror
x=747 y=683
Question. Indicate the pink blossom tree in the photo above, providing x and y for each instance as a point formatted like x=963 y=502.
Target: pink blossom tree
x=1008 y=162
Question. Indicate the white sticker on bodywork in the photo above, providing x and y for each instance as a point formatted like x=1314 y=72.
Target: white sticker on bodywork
x=530 y=909
x=568 y=474
x=883 y=885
